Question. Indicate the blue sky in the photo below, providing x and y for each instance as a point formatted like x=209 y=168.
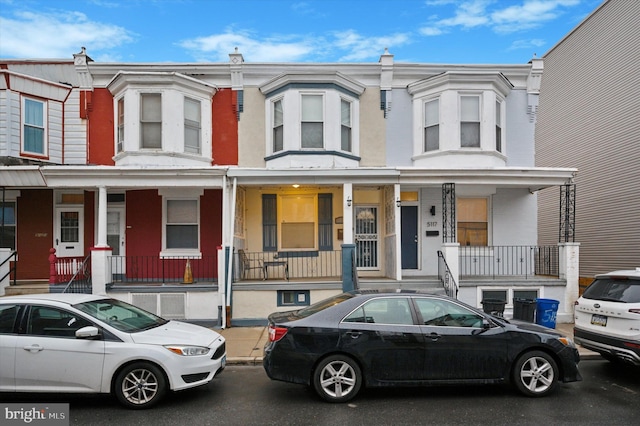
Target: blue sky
x=424 y=31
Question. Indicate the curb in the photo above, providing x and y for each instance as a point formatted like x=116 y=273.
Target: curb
x=245 y=360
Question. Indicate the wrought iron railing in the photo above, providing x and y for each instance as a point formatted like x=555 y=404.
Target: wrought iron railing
x=446 y=277
x=521 y=261
x=158 y=270
x=13 y=256
x=288 y=265
x=80 y=281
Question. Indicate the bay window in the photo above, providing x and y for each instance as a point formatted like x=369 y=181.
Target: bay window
x=278 y=126
x=432 y=125
x=151 y=120
x=312 y=124
x=498 y=126
x=345 y=128
x=470 y=121
x=192 y=126
x=120 y=134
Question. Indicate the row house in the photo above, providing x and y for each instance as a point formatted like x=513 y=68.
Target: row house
x=222 y=192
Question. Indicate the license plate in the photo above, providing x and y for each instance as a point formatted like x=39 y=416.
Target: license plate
x=599 y=320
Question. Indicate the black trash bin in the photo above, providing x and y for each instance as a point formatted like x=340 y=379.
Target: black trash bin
x=494 y=306
x=524 y=309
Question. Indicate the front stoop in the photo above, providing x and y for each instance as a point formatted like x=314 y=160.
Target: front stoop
x=27 y=287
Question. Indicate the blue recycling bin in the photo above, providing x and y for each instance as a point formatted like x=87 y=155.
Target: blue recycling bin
x=546 y=311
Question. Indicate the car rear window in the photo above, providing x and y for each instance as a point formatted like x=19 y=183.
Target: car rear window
x=615 y=289
x=323 y=304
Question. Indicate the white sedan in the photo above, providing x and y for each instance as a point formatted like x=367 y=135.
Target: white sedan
x=94 y=344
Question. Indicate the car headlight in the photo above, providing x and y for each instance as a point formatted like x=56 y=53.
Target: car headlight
x=188 y=350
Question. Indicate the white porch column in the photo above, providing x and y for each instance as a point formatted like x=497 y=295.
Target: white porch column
x=451 y=253
x=398 y=248
x=102 y=217
x=100 y=269
x=347 y=207
x=569 y=269
x=4 y=269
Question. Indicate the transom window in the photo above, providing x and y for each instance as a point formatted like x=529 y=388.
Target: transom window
x=432 y=125
x=473 y=223
x=312 y=125
x=470 y=121
x=192 y=126
x=34 y=123
x=151 y=120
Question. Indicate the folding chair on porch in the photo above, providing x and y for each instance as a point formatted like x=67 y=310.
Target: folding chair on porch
x=247 y=264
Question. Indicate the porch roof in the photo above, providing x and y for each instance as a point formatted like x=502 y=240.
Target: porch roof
x=21 y=177
x=133 y=177
x=532 y=178
x=310 y=176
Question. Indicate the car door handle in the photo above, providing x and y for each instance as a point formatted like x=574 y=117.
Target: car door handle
x=354 y=334
x=434 y=336
x=33 y=348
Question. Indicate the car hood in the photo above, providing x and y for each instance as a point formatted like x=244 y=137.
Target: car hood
x=176 y=332
x=528 y=326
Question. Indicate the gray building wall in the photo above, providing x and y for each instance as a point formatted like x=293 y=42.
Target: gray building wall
x=589 y=118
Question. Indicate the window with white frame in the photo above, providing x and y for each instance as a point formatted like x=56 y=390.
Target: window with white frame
x=470 y=121
x=345 y=128
x=498 y=126
x=182 y=224
x=151 y=120
x=312 y=123
x=473 y=221
x=432 y=125
x=192 y=126
x=34 y=126
x=120 y=136
x=298 y=222
x=278 y=126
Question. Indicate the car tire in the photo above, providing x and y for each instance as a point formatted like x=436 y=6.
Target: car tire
x=140 y=385
x=337 y=378
x=535 y=374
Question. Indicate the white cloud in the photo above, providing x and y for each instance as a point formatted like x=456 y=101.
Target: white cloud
x=53 y=35
x=531 y=14
x=359 y=47
x=527 y=44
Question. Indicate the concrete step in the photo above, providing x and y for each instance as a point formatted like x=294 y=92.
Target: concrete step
x=30 y=287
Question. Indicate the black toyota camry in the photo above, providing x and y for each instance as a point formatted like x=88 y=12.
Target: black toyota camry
x=374 y=338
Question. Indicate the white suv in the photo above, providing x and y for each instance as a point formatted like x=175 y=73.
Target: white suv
x=607 y=316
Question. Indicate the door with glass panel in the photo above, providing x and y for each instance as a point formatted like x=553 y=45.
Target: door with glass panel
x=115 y=239
x=69 y=234
x=366 y=237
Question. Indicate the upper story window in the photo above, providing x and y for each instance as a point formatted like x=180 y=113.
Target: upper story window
x=318 y=113
x=312 y=124
x=120 y=132
x=162 y=115
x=192 y=126
x=34 y=126
x=498 y=126
x=470 y=121
x=278 y=126
x=151 y=120
x=432 y=125
x=345 y=135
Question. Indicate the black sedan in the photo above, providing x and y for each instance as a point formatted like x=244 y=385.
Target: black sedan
x=372 y=338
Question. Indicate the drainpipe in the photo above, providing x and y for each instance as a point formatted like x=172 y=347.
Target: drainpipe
x=222 y=282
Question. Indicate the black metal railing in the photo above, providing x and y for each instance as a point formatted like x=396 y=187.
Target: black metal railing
x=80 y=281
x=160 y=270
x=288 y=265
x=446 y=277
x=521 y=261
x=13 y=256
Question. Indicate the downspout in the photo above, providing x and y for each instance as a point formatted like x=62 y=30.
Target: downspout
x=222 y=289
x=231 y=234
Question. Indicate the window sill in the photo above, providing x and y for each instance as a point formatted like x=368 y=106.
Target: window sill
x=180 y=254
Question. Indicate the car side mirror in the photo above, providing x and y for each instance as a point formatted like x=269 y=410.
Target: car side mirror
x=88 y=332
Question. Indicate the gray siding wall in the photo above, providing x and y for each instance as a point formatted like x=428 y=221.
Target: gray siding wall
x=400 y=130
x=589 y=118
x=519 y=130
x=75 y=135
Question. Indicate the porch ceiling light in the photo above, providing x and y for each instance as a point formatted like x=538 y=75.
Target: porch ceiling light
x=398 y=202
x=349 y=201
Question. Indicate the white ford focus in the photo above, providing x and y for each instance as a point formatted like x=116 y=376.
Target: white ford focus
x=94 y=344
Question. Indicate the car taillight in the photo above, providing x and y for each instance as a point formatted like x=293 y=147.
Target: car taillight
x=276 y=333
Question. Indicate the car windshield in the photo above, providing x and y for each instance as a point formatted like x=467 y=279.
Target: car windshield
x=120 y=315
x=324 y=304
x=625 y=290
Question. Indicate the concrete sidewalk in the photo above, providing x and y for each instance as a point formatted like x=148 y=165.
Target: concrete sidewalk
x=245 y=344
